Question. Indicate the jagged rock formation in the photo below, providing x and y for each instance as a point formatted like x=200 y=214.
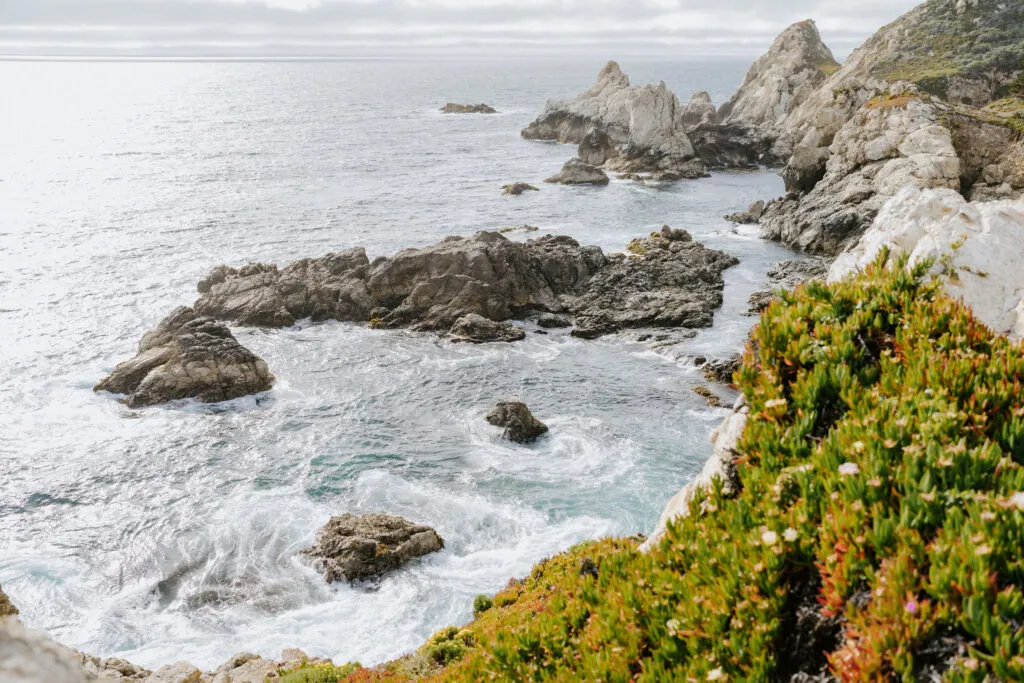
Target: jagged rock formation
x=982 y=244
x=699 y=110
x=721 y=370
x=596 y=147
x=519 y=424
x=674 y=282
x=7 y=608
x=353 y=547
x=669 y=281
x=721 y=465
x=188 y=356
x=643 y=123
x=479 y=330
x=578 y=172
x=453 y=108
x=953 y=55
x=30 y=657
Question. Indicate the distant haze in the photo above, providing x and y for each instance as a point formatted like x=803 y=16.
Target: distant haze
x=343 y=27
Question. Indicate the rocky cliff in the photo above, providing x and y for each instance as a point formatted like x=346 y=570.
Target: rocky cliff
x=643 y=124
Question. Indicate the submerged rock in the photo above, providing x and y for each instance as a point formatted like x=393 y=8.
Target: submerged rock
x=710 y=397
x=479 y=330
x=550 y=321
x=749 y=217
x=981 y=244
x=353 y=547
x=453 y=108
x=636 y=129
x=516 y=189
x=518 y=422
x=576 y=172
x=188 y=356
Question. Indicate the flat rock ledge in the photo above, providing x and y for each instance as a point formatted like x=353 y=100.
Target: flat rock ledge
x=518 y=422
x=188 y=356
x=356 y=547
x=516 y=189
x=454 y=108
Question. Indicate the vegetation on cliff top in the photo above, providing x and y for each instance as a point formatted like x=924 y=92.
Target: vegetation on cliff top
x=940 y=39
x=877 y=534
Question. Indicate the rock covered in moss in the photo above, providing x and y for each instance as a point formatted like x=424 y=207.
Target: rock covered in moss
x=188 y=356
x=518 y=423
x=353 y=547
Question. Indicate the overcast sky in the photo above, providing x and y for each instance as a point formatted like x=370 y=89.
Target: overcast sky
x=335 y=26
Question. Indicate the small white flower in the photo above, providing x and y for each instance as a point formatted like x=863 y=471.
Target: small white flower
x=849 y=469
x=790 y=534
x=769 y=538
x=775 y=403
x=673 y=625
x=717 y=675
x=1018 y=500
x=858 y=446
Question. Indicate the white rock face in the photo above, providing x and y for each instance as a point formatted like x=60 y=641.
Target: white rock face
x=719 y=466
x=30 y=657
x=795 y=66
x=699 y=110
x=984 y=240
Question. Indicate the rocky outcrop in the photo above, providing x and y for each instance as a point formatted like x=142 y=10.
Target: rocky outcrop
x=115 y=669
x=519 y=424
x=453 y=108
x=642 y=125
x=188 y=356
x=749 y=217
x=576 y=172
x=30 y=657
x=7 y=608
x=354 y=547
x=479 y=330
x=786 y=275
x=894 y=141
x=981 y=245
x=721 y=465
x=700 y=110
x=668 y=281
x=550 y=321
x=596 y=147
x=721 y=370
x=516 y=189
x=673 y=282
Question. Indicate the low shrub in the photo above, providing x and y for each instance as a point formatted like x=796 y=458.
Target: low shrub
x=319 y=673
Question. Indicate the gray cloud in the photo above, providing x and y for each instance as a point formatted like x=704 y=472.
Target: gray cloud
x=333 y=26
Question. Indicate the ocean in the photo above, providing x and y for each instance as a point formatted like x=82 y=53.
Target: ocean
x=173 y=532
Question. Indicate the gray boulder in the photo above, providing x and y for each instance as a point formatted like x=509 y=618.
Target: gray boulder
x=749 y=217
x=596 y=147
x=518 y=422
x=700 y=110
x=354 y=547
x=551 y=321
x=188 y=356
x=720 y=371
x=479 y=330
x=576 y=172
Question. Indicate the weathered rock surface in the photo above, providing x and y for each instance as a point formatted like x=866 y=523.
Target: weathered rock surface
x=721 y=465
x=710 y=397
x=354 y=547
x=111 y=669
x=188 y=356
x=518 y=422
x=642 y=125
x=453 y=108
x=7 y=608
x=669 y=281
x=676 y=282
x=721 y=370
x=596 y=147
x=30 y=657
x=892 y=143
x=550 y=321
x=576 y=172
x=516 y=189
x=749 y=217
x=982 y=242
x=786 y=275
x=479 y=330
x=699 y=110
